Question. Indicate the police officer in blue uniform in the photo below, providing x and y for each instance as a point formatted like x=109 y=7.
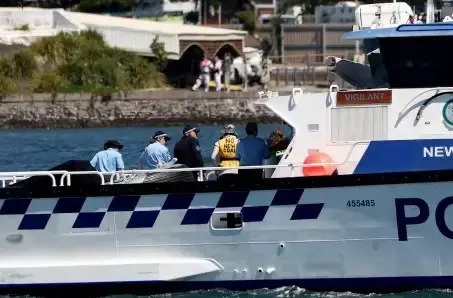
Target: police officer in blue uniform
x=156 y=153
x=187 y=150
x=109 y=159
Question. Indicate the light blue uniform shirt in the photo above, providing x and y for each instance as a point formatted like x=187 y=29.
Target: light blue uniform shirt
x=108 y=160
x=154 y=154
x=251 y=151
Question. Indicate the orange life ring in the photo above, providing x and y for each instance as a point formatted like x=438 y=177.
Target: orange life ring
x=321 y=170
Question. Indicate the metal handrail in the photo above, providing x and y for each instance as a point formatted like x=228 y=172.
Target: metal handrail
x=12 y=180
x=66 y=175
x=34 y=174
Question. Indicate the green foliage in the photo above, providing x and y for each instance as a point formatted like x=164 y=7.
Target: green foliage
x=24 y=27
x=248 y=20
x=77 y=62
x=24 y=64
x=7 y=68
x=7 y=86
x=160 y=55
x=46 y=81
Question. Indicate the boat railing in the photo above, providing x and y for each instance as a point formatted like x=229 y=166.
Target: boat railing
x=65 y=179
x=13 y=177
x=11 y=180
x=67 y=176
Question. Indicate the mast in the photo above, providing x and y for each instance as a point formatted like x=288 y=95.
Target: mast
x=429 y=11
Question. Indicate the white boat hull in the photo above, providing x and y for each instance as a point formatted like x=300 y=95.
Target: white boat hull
x=357 y=238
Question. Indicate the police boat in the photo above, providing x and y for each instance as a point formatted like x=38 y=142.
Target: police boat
x=360 y=200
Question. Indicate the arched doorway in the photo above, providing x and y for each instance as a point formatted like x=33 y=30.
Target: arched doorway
x=235 y=73
x=185 y=71
x=227 y=48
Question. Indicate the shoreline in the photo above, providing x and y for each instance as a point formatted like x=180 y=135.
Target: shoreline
x=157 y=123
x=140 y=108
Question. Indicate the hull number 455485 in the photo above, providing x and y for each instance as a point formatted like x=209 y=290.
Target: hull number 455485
x=360 y=203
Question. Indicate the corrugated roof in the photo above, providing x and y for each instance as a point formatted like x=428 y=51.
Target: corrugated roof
x=130 y=34
x=137 y=24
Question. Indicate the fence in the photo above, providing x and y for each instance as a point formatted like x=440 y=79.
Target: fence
x=306 y=72
x=307 y=43
x=304 y=50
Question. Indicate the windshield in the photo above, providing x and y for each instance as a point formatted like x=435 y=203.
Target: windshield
x=420 y=62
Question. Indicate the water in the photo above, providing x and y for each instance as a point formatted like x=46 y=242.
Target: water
x=38 y=149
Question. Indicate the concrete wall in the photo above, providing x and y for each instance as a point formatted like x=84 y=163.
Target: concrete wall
x=138 y=108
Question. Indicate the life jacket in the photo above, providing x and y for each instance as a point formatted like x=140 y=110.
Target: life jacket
x=227 y=151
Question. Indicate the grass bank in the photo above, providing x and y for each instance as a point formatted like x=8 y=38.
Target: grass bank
x=78 y=62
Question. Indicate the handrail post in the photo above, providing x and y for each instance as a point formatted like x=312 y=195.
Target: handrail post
x=54 y=181
x=112 y=178
x=62 y=179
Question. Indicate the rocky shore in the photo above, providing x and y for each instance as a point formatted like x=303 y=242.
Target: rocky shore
x=138 y=108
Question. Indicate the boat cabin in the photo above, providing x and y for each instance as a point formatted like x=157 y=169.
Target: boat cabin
x=408 y=56
x=397 y=116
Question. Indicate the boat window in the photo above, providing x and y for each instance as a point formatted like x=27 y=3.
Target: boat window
x=227 y=220
x=374 y=59
x=420 y=62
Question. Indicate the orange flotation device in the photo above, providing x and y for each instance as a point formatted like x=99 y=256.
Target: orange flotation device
x=321 y=170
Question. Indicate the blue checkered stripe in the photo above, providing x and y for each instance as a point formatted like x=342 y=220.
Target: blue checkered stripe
x=146 y=217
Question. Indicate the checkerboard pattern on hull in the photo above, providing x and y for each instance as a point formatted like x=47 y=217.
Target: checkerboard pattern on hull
x=144 y=210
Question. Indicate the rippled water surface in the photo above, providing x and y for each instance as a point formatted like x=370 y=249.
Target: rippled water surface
x=38 y=149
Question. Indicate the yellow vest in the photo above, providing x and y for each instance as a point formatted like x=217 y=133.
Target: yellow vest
x=227 y=151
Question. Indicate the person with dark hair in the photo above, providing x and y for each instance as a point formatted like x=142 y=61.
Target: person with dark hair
x=277 y=144
x=156 y=153
x=251 y=151
x=187 y=150
x=109 y=159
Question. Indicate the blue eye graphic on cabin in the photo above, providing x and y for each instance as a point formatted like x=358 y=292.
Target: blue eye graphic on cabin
x=447 y=112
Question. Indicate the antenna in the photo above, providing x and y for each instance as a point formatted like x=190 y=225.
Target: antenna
x=429 y=11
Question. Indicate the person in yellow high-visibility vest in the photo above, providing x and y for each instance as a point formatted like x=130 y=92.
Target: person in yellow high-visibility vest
x=226 y=148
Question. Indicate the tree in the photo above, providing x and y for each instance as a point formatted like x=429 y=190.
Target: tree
x=160 y=55
x=76 y=62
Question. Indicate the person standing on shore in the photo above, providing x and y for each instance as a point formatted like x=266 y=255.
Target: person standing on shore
x=205 y=74
x=218 y=73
